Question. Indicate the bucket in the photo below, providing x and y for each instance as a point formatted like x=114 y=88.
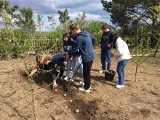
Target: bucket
x=109 y=75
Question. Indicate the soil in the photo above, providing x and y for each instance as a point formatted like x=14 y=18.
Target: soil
x=22 y=99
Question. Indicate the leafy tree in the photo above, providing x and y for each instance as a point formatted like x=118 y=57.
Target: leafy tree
x=126 y=14
x=25 y=20
x=94 y=27
x=7 y=12
x=64 y=19
x=40 y=21
x=52 y=21
x=81 y=20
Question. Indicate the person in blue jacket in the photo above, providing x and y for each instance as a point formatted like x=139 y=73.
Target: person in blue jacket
x=68 y=43
x=51 y=63
x=85 y=42
x=106 y=44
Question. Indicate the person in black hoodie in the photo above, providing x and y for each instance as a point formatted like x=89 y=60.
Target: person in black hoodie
x=85 y=42
x=106 y=44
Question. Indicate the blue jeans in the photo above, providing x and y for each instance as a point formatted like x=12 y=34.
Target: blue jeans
x=81 y=64
x=105 y=56
x=120 y=70
x=71 y=64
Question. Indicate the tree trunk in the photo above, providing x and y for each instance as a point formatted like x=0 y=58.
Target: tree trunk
x=154 y=38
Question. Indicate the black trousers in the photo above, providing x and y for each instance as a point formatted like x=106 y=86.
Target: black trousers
x=86 y=74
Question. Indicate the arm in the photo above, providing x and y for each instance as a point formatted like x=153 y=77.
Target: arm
x=110 y=43
x=54 y=84
x=100 y=41
x=75 y=48
x=111 y=39
x=93 y=40
x=119 y=49
x=64 y=48
x=54 y=78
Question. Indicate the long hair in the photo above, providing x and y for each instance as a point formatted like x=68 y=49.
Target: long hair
x=115 y=37
x=42 y=62
x=66 y=35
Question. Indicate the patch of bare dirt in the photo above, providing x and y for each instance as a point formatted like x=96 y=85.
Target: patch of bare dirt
x=136 y=101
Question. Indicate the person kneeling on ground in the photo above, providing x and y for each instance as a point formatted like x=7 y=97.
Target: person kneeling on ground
x=58 y=60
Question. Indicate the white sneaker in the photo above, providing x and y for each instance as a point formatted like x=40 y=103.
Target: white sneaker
x=82 y=82
x=101 y=71
x=119 y=86
x=72 y=80
x=84 y=90
x=66 y=78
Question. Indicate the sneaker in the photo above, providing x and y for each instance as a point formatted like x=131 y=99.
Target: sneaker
x=82 y=82
x=101 y=71
x=61 y=78
x=66 y=78
x=84 y=90
x=119 y=86
x=71 y=79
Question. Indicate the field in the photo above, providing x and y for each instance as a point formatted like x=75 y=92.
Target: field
x=138 y=100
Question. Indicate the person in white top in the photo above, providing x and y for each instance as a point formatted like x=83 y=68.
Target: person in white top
x=122 y=55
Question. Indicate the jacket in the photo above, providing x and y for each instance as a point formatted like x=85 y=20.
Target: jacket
x=121 y=52
x=107 y=38
x=85 y=42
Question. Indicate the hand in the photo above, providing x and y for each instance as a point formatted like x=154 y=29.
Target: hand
x=54 y=84
x=32 y=72
x=118 y=56
x=67 y=56
x=109 y=45
x=65 y=63
x=72 y=58
x=112 y=55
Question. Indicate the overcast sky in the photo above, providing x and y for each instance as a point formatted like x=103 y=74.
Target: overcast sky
x=92 y=8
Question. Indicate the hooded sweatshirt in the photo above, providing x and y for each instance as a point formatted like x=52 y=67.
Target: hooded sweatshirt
x=107 y=38
x=85 y=42
x=58 y=59
x=67 y=46
x=121 y=52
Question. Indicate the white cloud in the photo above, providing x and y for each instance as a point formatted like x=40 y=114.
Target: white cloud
x=92 y=8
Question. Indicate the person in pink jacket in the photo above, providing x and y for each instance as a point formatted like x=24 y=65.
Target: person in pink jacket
x=122 y=55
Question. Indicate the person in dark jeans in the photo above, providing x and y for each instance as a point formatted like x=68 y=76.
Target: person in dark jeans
x=106 y=45
x=85 y=42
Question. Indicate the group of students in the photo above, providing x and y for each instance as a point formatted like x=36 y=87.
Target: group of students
x=79 y=44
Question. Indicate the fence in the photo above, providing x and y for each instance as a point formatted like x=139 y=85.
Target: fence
x=44 y=44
